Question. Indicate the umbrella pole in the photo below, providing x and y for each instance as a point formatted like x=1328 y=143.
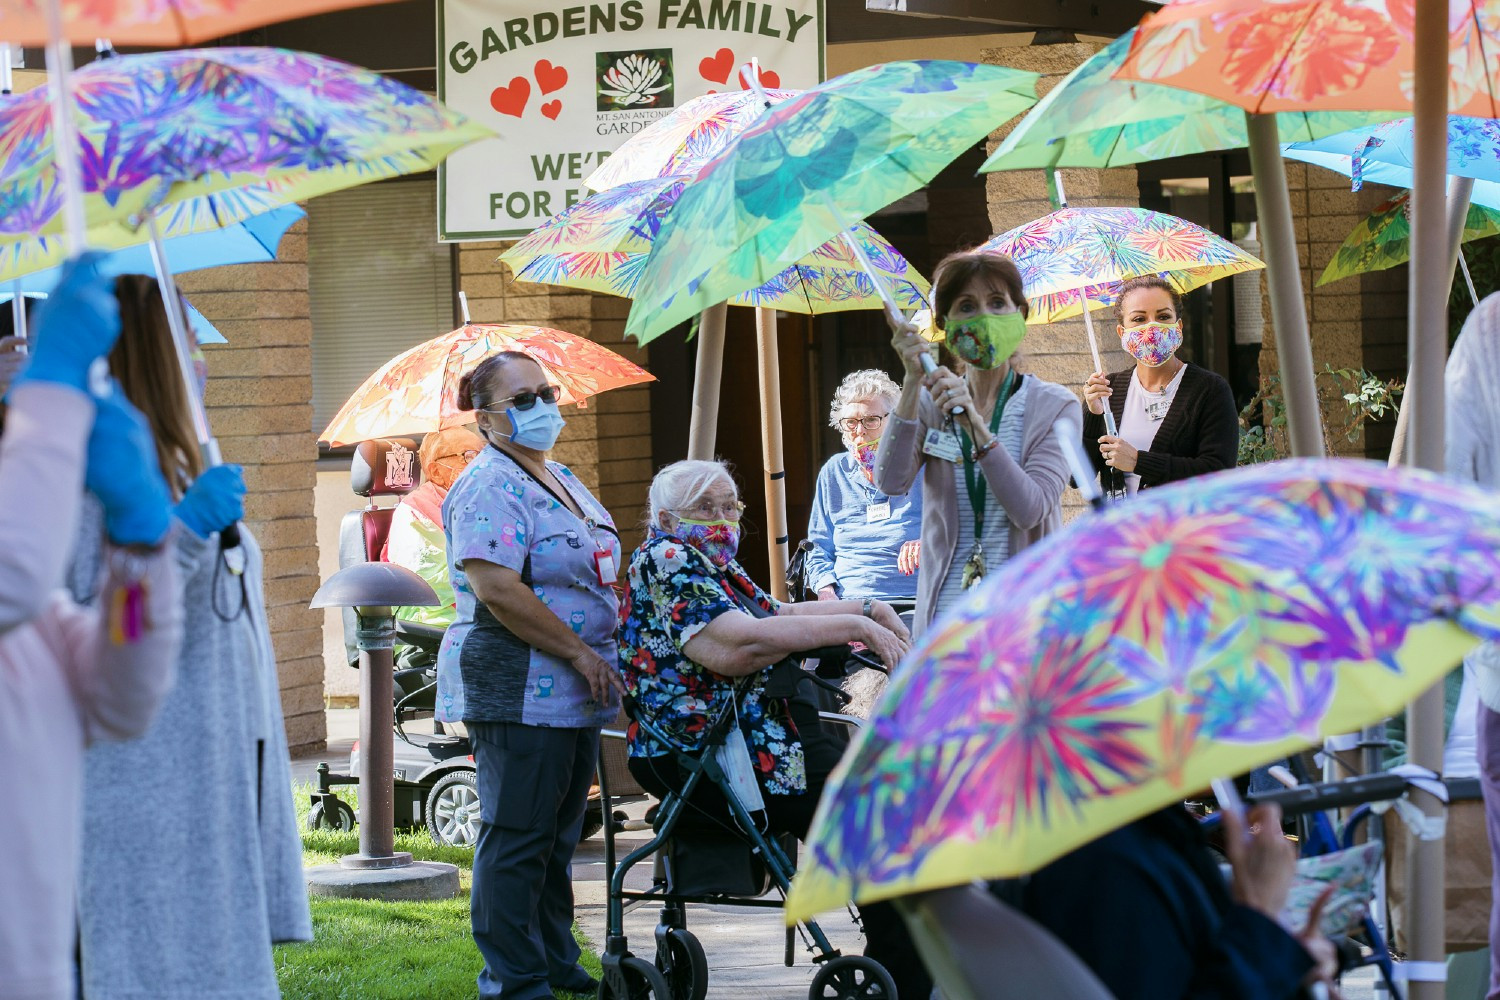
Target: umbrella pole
x=1428 y=347
x=65 y=127
x=708 y=371
x=177 y=323
x=770 y=439
x=1109 y=414
x=1273 y=209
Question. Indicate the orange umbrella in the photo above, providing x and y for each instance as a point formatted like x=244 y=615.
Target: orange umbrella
x=417 y=391
x=156 y=23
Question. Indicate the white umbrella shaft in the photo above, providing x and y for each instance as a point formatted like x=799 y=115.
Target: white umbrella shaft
x=65 y=128
x=1088 y=322
x=177 y=323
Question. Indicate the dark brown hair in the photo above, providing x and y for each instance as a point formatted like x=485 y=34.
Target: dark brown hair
x=144 y=360
x=955 y=271
x=476 y=389
x=1146 y=281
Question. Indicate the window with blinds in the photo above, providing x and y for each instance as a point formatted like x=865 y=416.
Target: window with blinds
x=379 y=282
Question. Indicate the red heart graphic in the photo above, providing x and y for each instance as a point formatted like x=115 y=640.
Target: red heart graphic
x=511 y=100
x=769 y=79
x=551 y=109
x=717 y=67
x=550 y=77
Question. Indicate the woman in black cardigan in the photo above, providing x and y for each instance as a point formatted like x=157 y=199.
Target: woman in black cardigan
x=1176 y=420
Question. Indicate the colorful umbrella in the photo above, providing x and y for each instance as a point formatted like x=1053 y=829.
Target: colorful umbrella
x=1239 y=617
x=1483 y=192
x=168 y=23
x=1092 y=119
x=164 y=127
x=1383 y=238
x=1075 y=256
x=417 y=391
x=809 y=168
x=1294 y=55
x=682 y=142
x=602 y=244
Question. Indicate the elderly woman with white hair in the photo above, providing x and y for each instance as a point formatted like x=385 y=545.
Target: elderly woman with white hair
x=696 y=632
x=865 y=542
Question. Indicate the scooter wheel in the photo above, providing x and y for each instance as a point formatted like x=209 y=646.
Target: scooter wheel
x=342 y=817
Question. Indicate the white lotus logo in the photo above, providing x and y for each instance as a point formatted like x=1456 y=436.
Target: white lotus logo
x=630 y=80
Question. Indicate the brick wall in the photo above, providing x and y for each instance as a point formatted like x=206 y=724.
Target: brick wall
x=607 y=443
x=259 y=401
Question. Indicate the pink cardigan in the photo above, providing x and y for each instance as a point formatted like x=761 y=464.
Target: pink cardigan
x=1029 y=486
x=63 y=684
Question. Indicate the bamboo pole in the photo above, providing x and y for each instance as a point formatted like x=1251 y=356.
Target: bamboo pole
x=1273 y=210
x=708 y=371
x=770 y=439
x=1428 y=347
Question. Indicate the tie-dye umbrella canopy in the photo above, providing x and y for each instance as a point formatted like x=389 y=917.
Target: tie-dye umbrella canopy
x=602 y=244
x=1237 y=618
x=169 y=126
x=1383 y=238
x=1075 y=256
x=809 y=168
x=682 y=142
x=155 y=22
x=417 y=391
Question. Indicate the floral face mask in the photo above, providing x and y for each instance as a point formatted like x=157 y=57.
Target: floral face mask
x=1152 y=344
x=718 y=540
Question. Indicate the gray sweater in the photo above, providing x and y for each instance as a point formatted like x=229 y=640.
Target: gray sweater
x=192 y=859
x=1028 y=486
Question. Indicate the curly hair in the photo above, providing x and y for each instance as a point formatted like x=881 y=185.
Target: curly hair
x=867 y=383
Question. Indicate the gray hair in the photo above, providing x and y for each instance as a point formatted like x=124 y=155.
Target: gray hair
x=867 y=383
x=681 y=484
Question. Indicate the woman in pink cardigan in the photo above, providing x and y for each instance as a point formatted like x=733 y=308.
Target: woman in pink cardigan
x=69 y=675
x=995 y=473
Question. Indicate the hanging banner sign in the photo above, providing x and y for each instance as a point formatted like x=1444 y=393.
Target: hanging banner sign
x=565 y=86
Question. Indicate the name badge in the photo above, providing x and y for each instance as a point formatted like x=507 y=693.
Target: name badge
x=940 y=444
x=1157 y=409
x=604 y=566
x=878 y=512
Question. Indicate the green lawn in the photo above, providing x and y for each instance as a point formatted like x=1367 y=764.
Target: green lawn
x=370 y=950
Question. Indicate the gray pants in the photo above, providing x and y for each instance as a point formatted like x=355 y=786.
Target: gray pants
x=533 y=789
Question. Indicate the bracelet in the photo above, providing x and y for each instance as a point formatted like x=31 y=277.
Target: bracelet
x=986 y=448
x=869 y=608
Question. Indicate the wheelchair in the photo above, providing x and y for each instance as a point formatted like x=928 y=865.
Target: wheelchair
x=728 y=861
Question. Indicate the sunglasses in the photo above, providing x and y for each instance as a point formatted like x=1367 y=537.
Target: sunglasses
x=525 y=399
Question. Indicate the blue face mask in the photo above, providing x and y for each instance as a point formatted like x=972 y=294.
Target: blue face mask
x=536 y=428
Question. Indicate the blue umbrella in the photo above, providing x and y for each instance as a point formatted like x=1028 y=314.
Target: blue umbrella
x=203 y=330
x=1486 y=193
x=252 y=240
x=1383 y=153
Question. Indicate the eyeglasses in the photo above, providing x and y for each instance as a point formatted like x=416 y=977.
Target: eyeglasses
x=524 y=399
x=870 y=423
x=710 y=511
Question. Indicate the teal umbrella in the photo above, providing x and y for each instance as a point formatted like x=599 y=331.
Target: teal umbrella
x=808 y=169
x=1092 y=119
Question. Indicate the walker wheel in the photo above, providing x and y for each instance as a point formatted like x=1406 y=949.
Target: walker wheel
x=684 y=965
x=638 y=980
x=852 y=977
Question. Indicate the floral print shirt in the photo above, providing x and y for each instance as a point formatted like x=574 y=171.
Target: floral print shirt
x=672 y=592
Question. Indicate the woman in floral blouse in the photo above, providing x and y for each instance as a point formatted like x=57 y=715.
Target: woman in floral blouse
x=689 y=641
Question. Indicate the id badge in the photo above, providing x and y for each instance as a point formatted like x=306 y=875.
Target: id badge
x=877 y=512
x=941 y=444
x=604 y=567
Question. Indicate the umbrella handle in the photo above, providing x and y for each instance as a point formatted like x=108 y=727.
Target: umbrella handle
x=1088 y=322
x=229 y=537
x=1070 y=439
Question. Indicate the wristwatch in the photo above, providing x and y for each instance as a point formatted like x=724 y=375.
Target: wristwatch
x=869 y=608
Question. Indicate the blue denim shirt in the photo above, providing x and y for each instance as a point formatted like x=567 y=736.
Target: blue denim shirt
x=850 y=551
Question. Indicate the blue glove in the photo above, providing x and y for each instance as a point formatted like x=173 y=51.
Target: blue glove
x=75 y=327
x=214 y=501
x=125 y=473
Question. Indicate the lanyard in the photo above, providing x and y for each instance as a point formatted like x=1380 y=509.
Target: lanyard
x=974 y=477
x=587 y=518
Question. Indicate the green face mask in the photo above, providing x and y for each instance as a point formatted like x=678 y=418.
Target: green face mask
x=987 y=341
